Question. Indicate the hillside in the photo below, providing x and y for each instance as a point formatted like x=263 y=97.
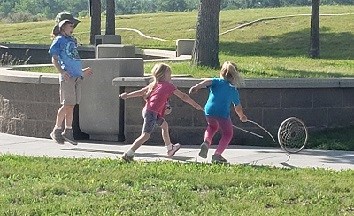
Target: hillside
x=272 y=48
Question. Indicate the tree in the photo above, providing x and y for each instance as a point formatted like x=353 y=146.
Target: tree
x=315 y=29
x=110 y=17
x=206 y=48
x=171 y=5
x=95 y=13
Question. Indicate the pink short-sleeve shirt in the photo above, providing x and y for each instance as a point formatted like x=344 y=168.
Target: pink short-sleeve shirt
x=157 y=100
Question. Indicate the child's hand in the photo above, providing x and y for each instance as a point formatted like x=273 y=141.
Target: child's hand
x=65 y=75
x=123 y=96
x=198 y=107
x=243 y=118
x=168 y=111
x=87 y=72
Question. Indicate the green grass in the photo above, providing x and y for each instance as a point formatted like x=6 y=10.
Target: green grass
x=333 y=139
x=273 y=48
x=52 y=186
x=260 y=67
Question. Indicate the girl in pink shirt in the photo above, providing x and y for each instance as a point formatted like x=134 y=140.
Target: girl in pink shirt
x=156 y=95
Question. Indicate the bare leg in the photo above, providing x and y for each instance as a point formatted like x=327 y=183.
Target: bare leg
x=60 y=117
x=171 y=148
x=165 y=133
x=69 y=113
x=139 y=141
x=56 y=134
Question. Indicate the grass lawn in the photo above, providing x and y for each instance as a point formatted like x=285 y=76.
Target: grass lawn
x=52 y=186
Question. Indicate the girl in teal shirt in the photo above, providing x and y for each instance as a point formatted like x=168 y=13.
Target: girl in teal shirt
x=222 y=94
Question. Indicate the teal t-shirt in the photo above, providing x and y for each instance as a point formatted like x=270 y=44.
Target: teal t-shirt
x=221 y=95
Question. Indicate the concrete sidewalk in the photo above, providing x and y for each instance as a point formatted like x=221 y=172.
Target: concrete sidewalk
x=30 y=146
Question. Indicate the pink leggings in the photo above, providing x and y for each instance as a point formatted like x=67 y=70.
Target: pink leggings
x=226 y=132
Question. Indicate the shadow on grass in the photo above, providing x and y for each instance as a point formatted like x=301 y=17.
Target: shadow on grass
x=259 y=154
x=295 y=44
x=119 y=153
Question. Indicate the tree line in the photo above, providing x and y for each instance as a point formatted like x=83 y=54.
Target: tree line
x=34 y=10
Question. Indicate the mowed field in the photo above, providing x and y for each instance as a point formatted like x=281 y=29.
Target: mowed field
x=273 y=48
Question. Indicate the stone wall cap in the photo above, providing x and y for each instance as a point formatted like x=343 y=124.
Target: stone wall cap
x=115 y=45
x=12 y=75
x=250 y=83
x=16 y=76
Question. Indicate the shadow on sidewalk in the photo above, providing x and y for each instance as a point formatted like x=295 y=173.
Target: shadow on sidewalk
x=94 y=150
x=137 y=155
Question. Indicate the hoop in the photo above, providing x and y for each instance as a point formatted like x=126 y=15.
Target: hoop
x=292 y=135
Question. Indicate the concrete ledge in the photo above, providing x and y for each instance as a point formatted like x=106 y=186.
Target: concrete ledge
x=249 y=83
x=16 y=76
x=164 y=55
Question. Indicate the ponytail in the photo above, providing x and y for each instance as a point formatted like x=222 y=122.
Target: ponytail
x=230 y=73
x=158 y=74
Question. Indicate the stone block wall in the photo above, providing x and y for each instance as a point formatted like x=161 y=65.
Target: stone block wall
x=29 y=102
x=28 y=109
x=321 y=104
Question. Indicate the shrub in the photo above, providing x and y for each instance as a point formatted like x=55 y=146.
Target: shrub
x=21 y=17
x=8 y=59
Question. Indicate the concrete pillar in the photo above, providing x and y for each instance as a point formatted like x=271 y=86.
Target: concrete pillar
x=184 y=46
x=107 y=39
x=99 y=107
x=115 y=51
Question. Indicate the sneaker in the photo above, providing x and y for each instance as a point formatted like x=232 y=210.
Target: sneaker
x=127 y=158
x=204 y=147
x=56 y=136
x=218 y=159
x=68 y=136
x=175 y=148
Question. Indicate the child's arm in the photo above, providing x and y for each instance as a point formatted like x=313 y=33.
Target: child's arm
x=187 y=99
x=137 y=93
x=202 y=84
x=239 y=112
x=58 y=67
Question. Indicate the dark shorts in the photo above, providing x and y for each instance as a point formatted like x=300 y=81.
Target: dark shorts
x=150 y=120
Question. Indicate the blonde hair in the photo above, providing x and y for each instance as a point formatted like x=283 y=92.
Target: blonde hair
x=158 y=73
x=230 y=72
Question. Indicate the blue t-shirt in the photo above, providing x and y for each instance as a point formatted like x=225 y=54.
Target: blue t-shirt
x=221 y=95
x=68 y=56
